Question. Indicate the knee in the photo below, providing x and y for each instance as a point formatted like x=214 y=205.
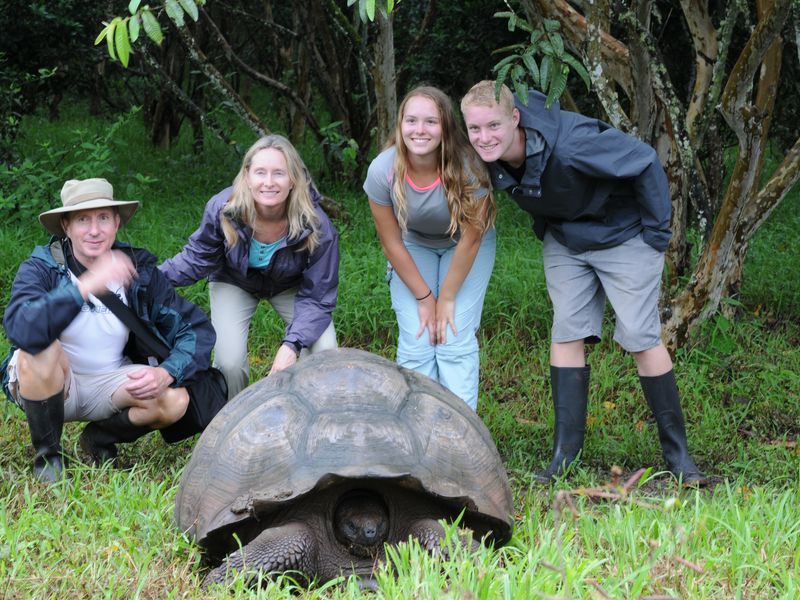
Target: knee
x=44 y=372
x=418 y=349
x=231 y=363
x=326 y=341
x=170 y=407
x=230 y=350
x=464 y=343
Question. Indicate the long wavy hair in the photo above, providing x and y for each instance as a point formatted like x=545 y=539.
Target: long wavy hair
x=300 y=210
x=460 y=168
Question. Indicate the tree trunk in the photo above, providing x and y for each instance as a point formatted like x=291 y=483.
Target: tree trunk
x=597 y=22
x=704 y=38
x=384 y=79
x=719 y=266
x=302 y=66
x=614 y=54
x=163 y=116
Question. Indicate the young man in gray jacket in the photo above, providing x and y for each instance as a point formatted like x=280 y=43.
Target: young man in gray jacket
x=600 y=203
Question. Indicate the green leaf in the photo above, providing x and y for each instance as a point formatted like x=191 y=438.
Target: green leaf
x=533 y=68
x=557 y=86
x=123 y=43
x=512 y=21
x=551 y=25
x=517 y=76
x=501 y=75
x=544 y=70
x=134 y=26
x=509 y=48
x=536 y=36
x=371 y=10
x=174 y=11
x=498 y=85
x=102 y=34
x=190 y=8
x=110 y=37
x=508 y=59
x=523 y=24
x=545 y=47
x=578 y=67
x=558 y=44
x=133 y=6
x=503 y=14
x=151 y=26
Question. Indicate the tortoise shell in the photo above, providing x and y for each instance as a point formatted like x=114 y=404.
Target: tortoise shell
x=340 y=415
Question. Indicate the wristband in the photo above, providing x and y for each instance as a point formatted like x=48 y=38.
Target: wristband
x=296 y=346
x=425 y=296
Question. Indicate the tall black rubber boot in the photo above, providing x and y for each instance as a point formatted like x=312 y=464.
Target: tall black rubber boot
x=46 y=422
x=99 y=438
x=570 y=386
x=661 y=393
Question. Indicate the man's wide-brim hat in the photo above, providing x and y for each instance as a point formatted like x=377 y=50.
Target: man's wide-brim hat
x=86 y=194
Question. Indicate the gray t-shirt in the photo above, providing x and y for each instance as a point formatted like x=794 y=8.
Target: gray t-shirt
x=428 y=218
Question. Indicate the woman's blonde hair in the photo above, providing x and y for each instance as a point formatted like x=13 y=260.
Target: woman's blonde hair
x=461 y=169
x=300 y=210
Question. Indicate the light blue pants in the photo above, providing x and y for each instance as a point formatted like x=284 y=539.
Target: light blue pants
x=232 y=309
x=454 y=363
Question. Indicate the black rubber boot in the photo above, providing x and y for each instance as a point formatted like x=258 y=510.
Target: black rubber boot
x=46 y=422
x=661 y=393
x=570 y=386
x=99 y=438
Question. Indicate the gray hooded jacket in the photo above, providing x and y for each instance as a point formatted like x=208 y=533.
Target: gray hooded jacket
x=592 y=186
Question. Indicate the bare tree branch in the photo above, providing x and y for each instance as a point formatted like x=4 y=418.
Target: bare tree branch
x=186 y=102
x=704 y=38
x=221 y=84
x=284 y=89
x=740 y=84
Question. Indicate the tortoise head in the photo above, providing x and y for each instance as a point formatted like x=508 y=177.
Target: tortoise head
x=361 y=522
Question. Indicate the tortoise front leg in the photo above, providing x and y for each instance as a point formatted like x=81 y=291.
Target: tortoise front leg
x=430 y=534
x=290 y=547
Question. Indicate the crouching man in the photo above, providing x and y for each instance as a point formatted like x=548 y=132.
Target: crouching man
x=72 y=360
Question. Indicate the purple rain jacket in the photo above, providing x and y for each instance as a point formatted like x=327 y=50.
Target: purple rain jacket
x=316 y=275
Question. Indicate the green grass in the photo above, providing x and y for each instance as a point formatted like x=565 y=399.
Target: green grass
x=105 y=533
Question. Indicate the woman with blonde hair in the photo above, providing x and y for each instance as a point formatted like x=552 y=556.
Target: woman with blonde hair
x=264 y=238
x=434 y=214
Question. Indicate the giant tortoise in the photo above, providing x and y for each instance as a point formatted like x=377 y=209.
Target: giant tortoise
x=315 y=468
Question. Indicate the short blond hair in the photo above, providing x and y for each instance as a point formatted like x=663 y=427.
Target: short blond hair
x=483 y=94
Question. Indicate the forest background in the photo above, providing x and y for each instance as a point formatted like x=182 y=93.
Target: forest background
x=712 y=85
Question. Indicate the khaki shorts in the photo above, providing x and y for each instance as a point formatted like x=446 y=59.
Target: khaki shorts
x=89 y=397
x=628 y=275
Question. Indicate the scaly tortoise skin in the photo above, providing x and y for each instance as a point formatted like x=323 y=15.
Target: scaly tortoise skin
x=315 y=468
